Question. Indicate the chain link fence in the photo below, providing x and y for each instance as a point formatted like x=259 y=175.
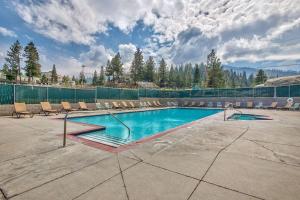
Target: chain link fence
x=10 y=93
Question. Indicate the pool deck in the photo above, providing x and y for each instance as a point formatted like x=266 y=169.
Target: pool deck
x=210 y=159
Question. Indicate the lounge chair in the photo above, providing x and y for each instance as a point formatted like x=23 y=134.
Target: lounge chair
x=107 y=105
x=47 y=108
x=288 y=106
x=272 y=106
x=159 y=104
x=193 y=104
x=21 y=109
x=185 y=104
x=149 y=104
x=296 y=106
x=169 y=104
x=237 y=104
x=250 y=104
x=219 y=105
x=82 y=106
x=115 y=105
x=202 y=104
x=155 y=104
x=132 y=104
x=66 y=106
x=174 y=103
x=124 y=104
x=99 y=106
x=210 y=104
x=259 y=105
x=227 y=104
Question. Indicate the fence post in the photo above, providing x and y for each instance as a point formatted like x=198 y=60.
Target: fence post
x=47 y=95
x=275 y=94
x=96 y=95
x=14 y=93
x=75 y=95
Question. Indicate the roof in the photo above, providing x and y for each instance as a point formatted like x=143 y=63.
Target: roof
x=286 y=80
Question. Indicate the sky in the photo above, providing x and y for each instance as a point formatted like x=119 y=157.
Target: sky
x=70 y=33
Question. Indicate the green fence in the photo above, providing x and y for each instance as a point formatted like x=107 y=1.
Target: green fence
x=10 y=93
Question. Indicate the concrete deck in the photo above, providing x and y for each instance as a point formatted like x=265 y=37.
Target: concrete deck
x=210 y=159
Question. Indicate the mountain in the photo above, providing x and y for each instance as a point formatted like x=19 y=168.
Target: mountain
x=271 y=73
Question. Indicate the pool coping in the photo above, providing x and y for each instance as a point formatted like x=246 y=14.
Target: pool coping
x=111 y=149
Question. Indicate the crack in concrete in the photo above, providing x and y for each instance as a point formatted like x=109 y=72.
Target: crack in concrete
x=105 y=180
x=123 y=180
x=58 y=178
x=3 y=193
x=232 y=190
x=291 y=145
x=216 y=157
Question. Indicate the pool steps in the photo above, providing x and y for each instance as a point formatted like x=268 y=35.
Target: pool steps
x=106 y=139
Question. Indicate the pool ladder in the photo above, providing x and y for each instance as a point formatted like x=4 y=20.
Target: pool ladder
x=129 y=130
x=230 y=106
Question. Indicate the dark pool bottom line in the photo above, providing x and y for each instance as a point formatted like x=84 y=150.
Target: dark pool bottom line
x=74 y=136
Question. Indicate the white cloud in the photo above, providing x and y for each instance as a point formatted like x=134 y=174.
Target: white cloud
x=6 y=32
x=127 y=53
x=184 y=30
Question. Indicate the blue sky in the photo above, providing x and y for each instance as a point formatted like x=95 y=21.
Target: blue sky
x=74 y=32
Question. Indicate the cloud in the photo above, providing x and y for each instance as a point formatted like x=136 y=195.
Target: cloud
x=127 y=53
x=7 y=32
x=184 y=30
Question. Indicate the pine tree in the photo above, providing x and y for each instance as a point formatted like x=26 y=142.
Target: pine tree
x=162 y=73
x=244 y=80
x=109 y=72
x=82 y=79
x=6 y=72
x=44 y=79
x=54 y=76
x=32 y=66
x=215 y=71
x=65 y=80
x=136 y=68
x=117 y=67
x=196 y=78
x=13 y=60
x=149 y=70
x=261 y=77
x=172 y=77
x=95 y=78
x=250 y=81
x=101 y=76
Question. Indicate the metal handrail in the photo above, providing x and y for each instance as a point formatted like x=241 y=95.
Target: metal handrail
x=129 y=130
x=228 y=107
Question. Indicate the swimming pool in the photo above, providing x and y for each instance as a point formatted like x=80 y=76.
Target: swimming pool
x=240 y=116
x=142 y=124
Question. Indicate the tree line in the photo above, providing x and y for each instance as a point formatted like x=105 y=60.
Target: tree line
x=209 y=75
x=204 y=75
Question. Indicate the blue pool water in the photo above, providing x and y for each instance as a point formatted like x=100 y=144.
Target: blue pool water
x=142 y=124
x=248 y=117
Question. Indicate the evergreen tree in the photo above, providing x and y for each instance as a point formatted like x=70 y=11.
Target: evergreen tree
x=101 y=76
x=82 y=79
x=215 y=71
x=172 y=77
x=6 y=72
x=244 y=82
x=54 y=76
x=95 y=78
x=117 y=67
x=149 y=70
x=65 y=80
x=13 y=60
x=196 y=78
x=75 y=80
x=136 y=68
x=162 y=73
x=250 y=81
x=44 y=79
x=32 y=66
x=261 y=77
x=109 y=72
